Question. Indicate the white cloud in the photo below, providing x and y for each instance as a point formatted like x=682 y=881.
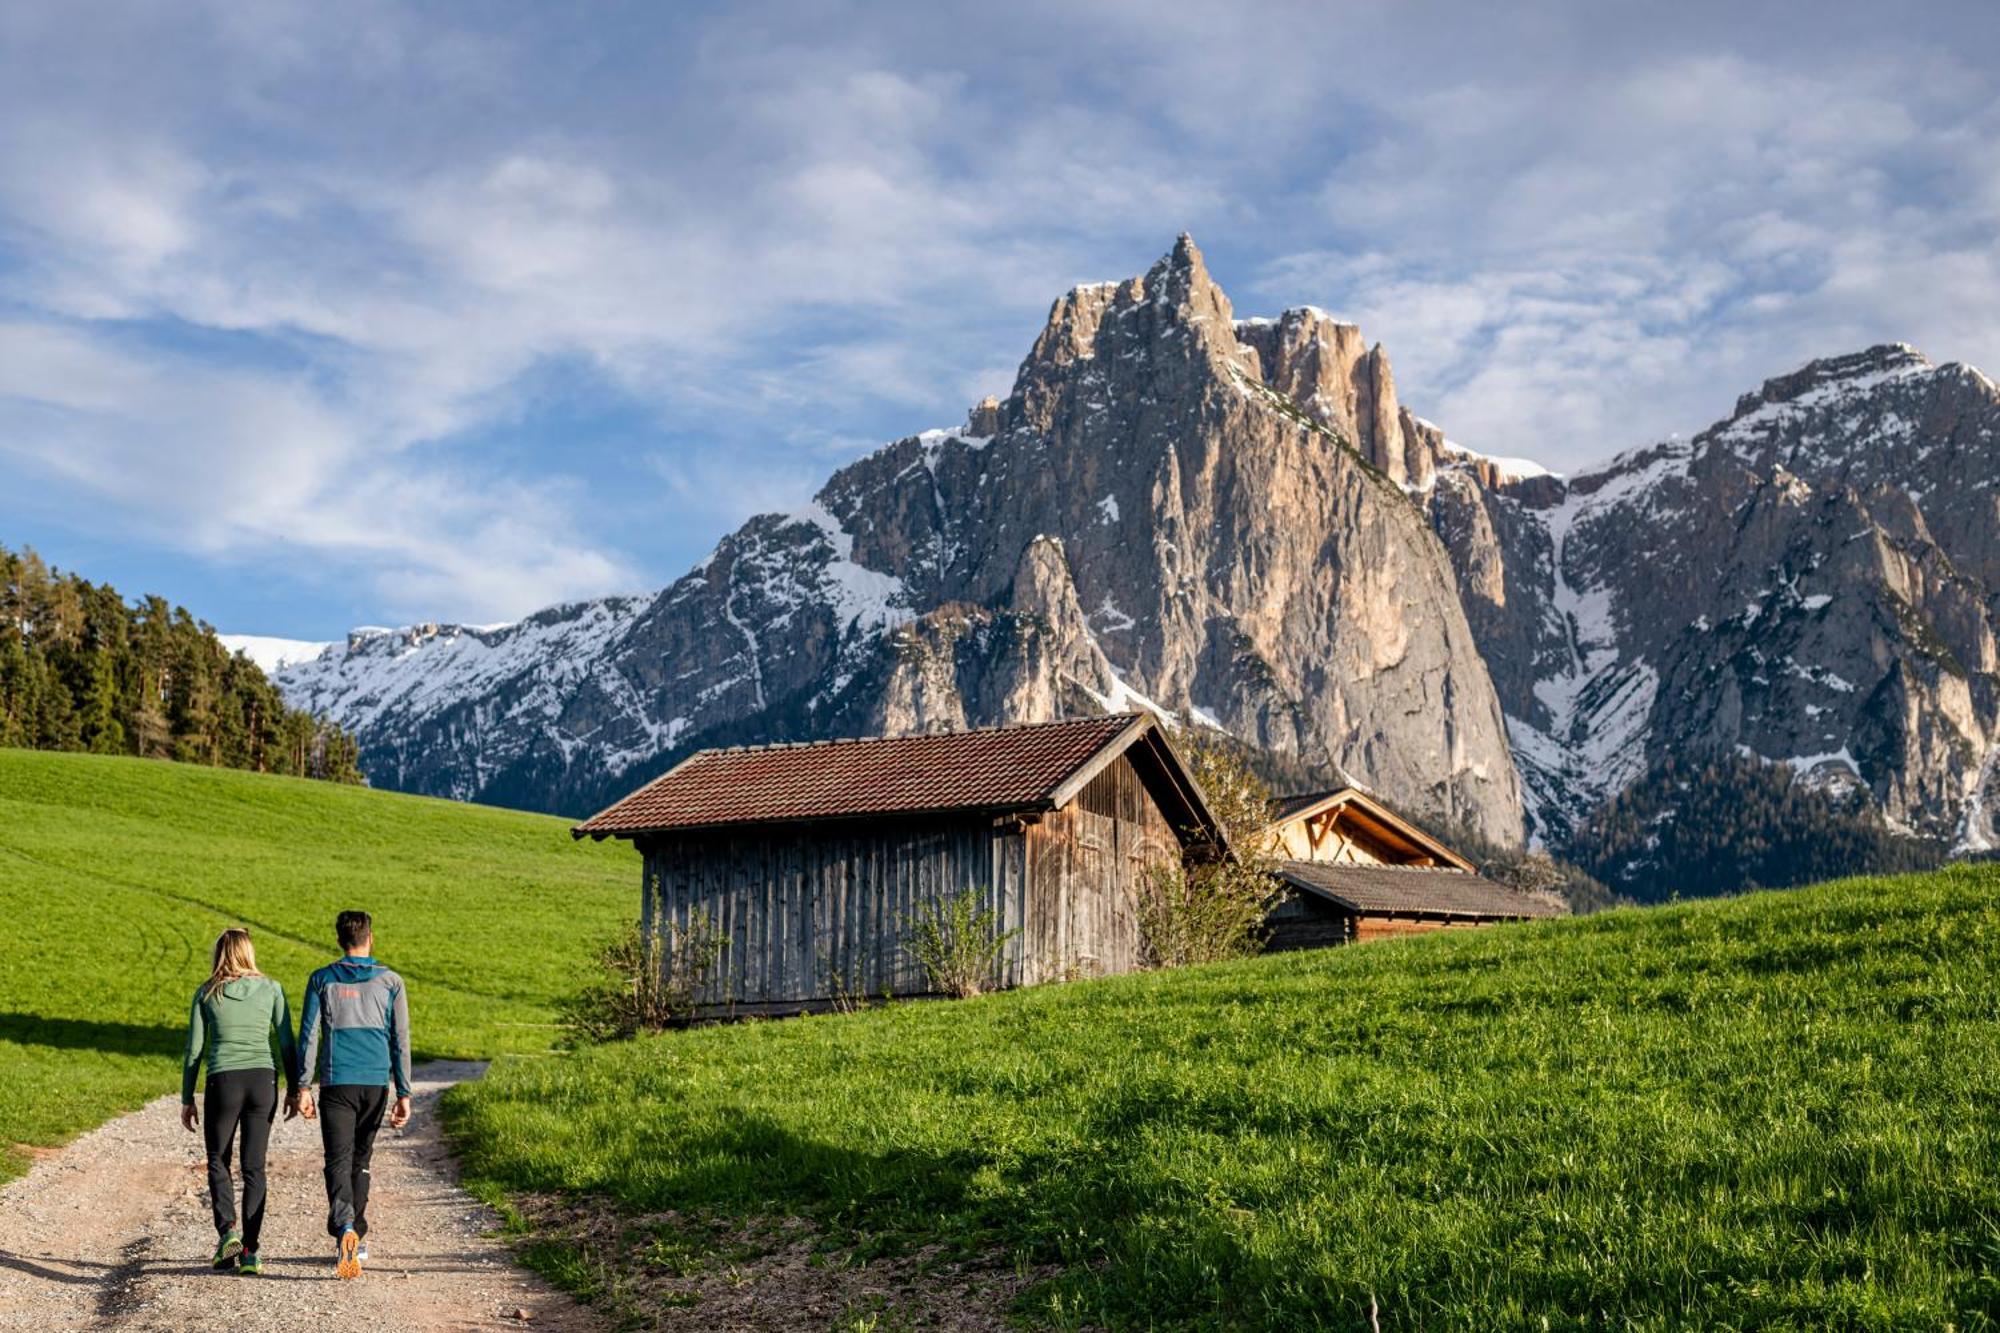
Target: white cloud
x=1575 y=273
x=278 y=272
x=218 y=461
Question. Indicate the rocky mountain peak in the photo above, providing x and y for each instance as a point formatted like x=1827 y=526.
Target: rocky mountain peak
x=1815 y=581
x=1180 y=280
x=1159 y=334
x=1335 y=376
x=983 y=421
x=1169 y=509
x=1853 y=370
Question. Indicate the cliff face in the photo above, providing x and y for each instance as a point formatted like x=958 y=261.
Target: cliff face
x=1815 y=580
x=1237 y=521
x=1172 y=506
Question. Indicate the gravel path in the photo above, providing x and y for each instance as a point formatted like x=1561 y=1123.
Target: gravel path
x=113 y=1232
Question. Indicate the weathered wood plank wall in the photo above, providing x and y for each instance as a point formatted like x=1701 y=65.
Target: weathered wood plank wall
x=1302 y=922
x=815 y=912
x=1085 y=863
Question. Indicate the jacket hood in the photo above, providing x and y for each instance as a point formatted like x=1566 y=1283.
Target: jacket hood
x=354 y=969
x=242 y=988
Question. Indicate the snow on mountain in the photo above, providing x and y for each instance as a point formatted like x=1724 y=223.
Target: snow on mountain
x=941 y=582
x=1814 y=580
x=273 y=655
x=415 y=669
x=1811 y=581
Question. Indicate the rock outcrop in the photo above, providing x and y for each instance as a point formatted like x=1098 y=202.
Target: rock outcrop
x=1815 y=580
x=1171 y=507
x=1238 y=522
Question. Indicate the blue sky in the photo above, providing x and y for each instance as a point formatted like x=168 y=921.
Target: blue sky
x=316 y=315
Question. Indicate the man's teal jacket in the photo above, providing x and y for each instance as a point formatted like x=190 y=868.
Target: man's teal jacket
x=355 y=1027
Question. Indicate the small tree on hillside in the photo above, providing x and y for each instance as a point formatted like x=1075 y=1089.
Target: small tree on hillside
x=647 y=980
x=1539 y=875
x=958 y=943
x=1213 y=909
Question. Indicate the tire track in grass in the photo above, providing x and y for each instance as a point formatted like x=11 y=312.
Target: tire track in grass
x=231 y=916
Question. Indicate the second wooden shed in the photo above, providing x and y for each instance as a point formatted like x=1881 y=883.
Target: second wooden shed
x=1353 y=869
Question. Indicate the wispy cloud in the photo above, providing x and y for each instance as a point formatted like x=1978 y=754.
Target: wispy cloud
x=287 y=279
x=1569 y=272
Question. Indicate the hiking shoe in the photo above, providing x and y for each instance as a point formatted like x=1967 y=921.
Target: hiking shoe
x=361 y=1252
x=349 y=1264
x=226 y=1250
x=251 y=1264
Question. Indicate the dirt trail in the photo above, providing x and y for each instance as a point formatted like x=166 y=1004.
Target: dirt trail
x=113 y=1232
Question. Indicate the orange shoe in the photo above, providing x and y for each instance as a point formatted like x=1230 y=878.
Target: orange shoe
x=349 y=1265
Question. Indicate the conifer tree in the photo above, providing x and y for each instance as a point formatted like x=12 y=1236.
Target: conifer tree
x=82 y=669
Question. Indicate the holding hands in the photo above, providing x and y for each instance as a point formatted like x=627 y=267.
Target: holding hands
x=354 y=1040
x=300 y=1103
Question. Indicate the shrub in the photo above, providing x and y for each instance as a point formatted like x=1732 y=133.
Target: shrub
x=958 y=944
x=1238 y=797
x=1203 y=912
x=1539 y=875
x=647 y=981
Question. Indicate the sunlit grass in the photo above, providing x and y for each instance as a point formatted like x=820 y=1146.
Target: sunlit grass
x=117 y=874
x=1778 y=1111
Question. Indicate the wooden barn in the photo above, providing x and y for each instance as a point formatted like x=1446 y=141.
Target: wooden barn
x=1353 y=869
x=810 y=859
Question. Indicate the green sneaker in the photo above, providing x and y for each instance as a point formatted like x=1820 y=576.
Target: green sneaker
x=226 y=1250
x=251 y=1264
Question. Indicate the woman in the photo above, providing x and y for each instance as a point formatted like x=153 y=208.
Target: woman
x=241 y=1028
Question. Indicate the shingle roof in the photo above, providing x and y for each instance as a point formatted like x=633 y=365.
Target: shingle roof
x=1411 y=890
x=1284 y=807
x=998 y=769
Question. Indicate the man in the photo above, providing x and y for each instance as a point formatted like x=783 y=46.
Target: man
x=354 y=1040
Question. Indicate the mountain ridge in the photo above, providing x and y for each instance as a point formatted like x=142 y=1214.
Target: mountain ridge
x=1237 y=521
x=1216 y=544
x=1770 y=627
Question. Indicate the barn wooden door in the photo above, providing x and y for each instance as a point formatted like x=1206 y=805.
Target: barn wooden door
x=1089 y=905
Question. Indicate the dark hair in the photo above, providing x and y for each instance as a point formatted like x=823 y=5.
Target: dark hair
x=353 y=928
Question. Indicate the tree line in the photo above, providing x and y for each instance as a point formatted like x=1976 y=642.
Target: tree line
x=1723 y=823
x=83 y=669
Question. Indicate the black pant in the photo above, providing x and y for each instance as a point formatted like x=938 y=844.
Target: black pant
x=245 y=1098
x=349 y=1115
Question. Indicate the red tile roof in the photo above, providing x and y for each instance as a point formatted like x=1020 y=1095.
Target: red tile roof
x=1411 y=890
x=997 y=769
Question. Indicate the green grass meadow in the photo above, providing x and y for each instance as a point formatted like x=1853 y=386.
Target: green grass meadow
x=117 y=874
x=1781 y=1111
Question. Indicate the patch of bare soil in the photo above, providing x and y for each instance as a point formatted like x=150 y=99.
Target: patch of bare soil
x=113 y=1231
x=667 y=1271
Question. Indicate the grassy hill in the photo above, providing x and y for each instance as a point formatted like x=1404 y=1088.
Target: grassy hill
x=117 y=874
x=1781 y=1111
